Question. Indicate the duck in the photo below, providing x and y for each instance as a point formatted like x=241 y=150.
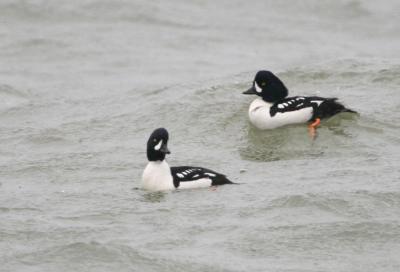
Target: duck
x=159 y=176
x=272 y=108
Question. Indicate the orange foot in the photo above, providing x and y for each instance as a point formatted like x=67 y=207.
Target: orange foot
x=312 y=128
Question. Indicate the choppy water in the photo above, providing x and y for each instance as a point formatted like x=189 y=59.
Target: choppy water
x=83 y=84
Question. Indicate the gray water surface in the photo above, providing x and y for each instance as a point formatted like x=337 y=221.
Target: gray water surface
x=84 y=83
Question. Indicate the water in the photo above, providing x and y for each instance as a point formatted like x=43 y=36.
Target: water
x=84 y=83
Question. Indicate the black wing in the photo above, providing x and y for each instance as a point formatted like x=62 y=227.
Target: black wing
x=330 y=107
x=296 y=103
x=190 y=173
x=322 y=107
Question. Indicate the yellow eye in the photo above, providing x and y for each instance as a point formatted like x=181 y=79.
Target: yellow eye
x=263 y=84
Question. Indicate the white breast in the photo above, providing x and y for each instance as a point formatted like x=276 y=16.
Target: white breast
x=157 y=177
x=260 y=117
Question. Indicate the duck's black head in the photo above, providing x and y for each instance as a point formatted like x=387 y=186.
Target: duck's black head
x=268 y=86
x=157 y=145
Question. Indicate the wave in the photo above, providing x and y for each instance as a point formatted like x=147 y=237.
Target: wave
x=349 y=204
x=345 y=71
x=11 y=98
x=94 y=10
x=181 y=13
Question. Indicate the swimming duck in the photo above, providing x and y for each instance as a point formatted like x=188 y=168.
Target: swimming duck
x=274 y=109
x=158 y=176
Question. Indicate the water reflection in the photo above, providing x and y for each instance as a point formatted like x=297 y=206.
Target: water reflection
x=294 y=142
x=277 y=144
x=153 y=197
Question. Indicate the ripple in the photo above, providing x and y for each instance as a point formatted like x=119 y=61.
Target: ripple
x=345 y=71
x=11 y=98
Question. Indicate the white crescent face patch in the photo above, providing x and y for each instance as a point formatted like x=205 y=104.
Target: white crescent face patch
x=158 y=146
x=258 y=89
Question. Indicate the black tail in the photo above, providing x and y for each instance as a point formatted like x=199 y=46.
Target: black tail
x=329 y=108
x=221 y=180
